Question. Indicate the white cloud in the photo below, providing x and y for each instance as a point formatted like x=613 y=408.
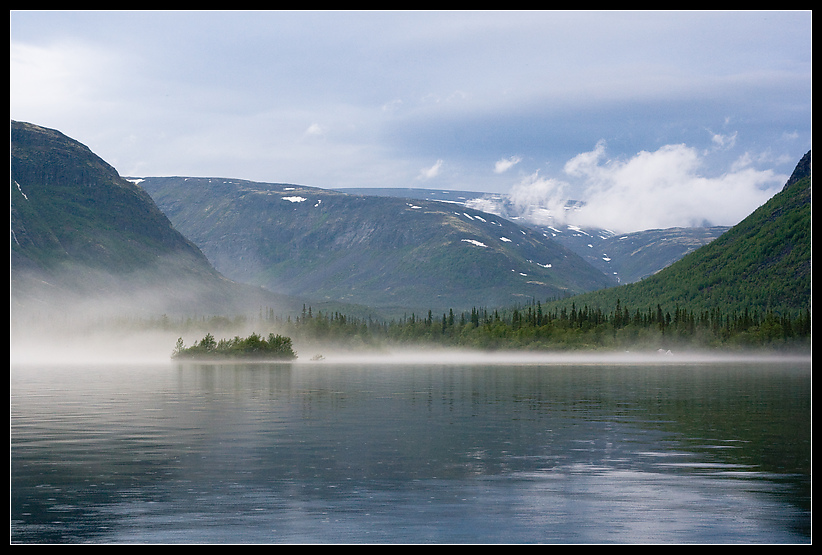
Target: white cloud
x=539 y=199
x=724 y=141
x=433 y=171
x=506 y=164
x=66 y=76
x=582 y=163
x=314 y=129
x=649 y=190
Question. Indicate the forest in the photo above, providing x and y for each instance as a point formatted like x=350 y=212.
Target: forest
x=532 y=326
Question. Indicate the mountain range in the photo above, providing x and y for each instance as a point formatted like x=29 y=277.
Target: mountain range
x=78 y=230
x=392 y=253
x=629 y=257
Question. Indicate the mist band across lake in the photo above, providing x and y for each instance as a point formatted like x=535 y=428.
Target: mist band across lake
x=394 y=450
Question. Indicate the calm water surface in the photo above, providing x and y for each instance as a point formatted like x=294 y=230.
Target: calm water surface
x=392 y=453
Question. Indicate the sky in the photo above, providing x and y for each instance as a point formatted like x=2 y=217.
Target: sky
x=653 y=119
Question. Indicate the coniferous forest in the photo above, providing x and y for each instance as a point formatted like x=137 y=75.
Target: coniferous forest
x=572 y=327
x=528 y=327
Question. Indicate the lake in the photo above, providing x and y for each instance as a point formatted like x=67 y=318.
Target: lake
x=501 y=448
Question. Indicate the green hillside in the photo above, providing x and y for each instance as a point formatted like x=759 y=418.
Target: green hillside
x=69 y=205
x=391 y=253
x=761 y=264
x=80 y=232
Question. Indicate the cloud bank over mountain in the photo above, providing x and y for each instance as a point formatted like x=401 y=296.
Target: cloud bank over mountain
x=664 y=188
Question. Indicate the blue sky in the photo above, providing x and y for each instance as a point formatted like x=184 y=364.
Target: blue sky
x=706 y=109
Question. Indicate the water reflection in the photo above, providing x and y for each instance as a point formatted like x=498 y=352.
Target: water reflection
x=418 y=453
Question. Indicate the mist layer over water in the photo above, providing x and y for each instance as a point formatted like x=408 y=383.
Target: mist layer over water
x=382 y=451
x=85 y=343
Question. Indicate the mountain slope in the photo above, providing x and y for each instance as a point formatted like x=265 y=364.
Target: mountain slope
x=637 y=255
x=377 y=251
x=763 y=263
x=80 y=232
x=628 y=257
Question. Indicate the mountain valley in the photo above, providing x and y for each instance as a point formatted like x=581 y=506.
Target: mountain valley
x=393 y=253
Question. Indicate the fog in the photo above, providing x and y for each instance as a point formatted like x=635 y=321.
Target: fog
x=138 y=322
x=94 y=342
x=56 y=345
x=456 y=356
x=89 y=317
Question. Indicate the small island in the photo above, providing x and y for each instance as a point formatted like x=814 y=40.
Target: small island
x=276 y=347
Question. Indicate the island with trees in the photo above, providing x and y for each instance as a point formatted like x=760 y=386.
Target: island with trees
x=275 y=347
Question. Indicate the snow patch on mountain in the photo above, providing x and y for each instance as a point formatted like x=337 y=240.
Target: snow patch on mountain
x=475 y=242
x=22 y=193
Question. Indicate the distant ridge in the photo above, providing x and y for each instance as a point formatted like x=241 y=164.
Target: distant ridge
x=628 y=257
x=393 y=253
